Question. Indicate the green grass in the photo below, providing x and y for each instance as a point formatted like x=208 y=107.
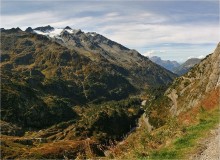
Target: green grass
x=188 y=142
x=165 y=154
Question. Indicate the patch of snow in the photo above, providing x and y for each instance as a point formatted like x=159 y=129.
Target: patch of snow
x=53 y=33
x=58 y=37
x=92 y=34
x=76 y=30
x=69 y=30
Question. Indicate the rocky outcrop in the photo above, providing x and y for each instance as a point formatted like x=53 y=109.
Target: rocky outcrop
x=173 y=96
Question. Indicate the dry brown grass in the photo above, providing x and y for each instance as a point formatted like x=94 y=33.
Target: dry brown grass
x=208 y=103
x=13 y=148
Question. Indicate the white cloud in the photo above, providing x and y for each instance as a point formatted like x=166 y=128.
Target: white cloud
x=201 y=57
x=149 y=53
x=134 y=30
x=31 y=19
x=112 y=14
x=162 y=51
x=140 y=35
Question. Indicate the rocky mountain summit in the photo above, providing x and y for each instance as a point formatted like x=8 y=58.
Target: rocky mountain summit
x=95 y=46
x=100 y=49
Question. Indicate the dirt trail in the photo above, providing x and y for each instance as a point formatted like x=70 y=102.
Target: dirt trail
x=211 y=150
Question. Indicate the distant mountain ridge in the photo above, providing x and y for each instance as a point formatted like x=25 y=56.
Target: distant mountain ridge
x=170 y=65
x=186 y=66
x=174 y=66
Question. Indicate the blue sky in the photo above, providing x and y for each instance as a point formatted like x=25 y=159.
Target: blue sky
x=174 y=30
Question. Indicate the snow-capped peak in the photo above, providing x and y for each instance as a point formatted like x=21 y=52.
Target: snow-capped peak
x=55 y=32
x=52 y=33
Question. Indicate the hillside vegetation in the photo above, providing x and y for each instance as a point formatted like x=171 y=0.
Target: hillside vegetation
x=80 y=95
x=180 y=117
x=54 y=92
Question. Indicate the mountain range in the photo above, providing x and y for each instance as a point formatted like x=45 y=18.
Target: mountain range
x=170 y=65
x=186 y=66
x=67 y=93
x=65 y=80
x=174 y=66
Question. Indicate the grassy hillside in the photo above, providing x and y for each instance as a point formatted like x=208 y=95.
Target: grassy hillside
x=178 y=139
x=180 y=117
x=42 y=81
